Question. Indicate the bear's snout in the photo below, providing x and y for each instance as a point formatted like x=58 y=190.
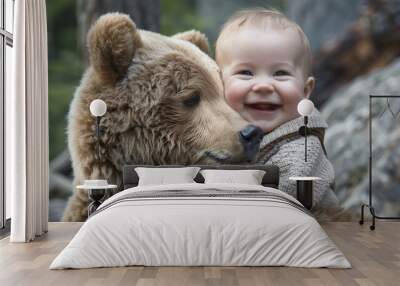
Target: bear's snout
x=251 y=137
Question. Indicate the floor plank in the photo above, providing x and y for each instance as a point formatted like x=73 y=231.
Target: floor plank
x=374 y=255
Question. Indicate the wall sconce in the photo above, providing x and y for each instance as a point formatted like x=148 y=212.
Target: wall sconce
x=98 y=108
x=305 y=108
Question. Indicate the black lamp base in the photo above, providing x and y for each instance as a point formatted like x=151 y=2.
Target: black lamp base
x=96 y=197
x=305 y=193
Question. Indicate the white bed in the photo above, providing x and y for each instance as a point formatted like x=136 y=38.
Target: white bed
x=224 y=225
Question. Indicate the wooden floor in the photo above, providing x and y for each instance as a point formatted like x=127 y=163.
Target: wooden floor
x=374 y=255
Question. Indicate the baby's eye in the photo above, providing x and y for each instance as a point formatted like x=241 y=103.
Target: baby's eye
x=281 y=73
x=245 y=72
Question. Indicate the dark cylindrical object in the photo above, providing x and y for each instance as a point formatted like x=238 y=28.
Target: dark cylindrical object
x=305 y=193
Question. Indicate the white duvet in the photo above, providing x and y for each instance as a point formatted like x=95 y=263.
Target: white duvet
x=206 y=230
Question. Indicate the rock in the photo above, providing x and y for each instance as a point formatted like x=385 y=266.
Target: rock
x=60 y=186
x=369 y=43
x=62 y=164
x=60 y=176
x=347 y=140
x=324 y=21
x=56 y=209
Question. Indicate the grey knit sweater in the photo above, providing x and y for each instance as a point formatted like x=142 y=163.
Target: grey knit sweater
x=284 y=148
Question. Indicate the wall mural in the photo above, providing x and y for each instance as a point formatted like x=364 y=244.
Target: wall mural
x=171 y=100
x=165 y=106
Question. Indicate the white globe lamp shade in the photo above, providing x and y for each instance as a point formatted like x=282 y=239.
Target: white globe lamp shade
x=98 y=107
x=305 y=107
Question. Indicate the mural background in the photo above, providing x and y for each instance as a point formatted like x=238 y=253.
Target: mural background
x=356 y=46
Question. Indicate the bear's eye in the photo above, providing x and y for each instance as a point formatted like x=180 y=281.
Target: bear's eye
x=192 y=101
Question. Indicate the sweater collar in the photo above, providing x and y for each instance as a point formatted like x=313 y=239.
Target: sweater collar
x=315 y=120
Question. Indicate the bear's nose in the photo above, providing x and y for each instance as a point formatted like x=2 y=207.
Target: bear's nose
x=251 y=132
x=251 y=137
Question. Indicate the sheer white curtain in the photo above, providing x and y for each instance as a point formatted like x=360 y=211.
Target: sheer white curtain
x=27 y=124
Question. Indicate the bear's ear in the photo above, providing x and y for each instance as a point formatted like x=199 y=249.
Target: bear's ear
x=112 y=42
x=196 y=38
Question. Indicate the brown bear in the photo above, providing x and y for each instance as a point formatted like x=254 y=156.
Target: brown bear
x=165 y=105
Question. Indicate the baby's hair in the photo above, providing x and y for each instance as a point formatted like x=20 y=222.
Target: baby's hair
x=263 y=18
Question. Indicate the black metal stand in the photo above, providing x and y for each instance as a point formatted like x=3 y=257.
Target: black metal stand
x=370 y=206
x=96 y=196
x=98 y=118
x=305 y=193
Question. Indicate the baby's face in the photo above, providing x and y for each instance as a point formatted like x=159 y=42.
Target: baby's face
x=263 y=75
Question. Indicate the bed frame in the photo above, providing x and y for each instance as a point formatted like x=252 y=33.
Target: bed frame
x=270 y=179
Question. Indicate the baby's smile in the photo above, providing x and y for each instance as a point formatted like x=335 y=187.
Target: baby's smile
x=262 y=108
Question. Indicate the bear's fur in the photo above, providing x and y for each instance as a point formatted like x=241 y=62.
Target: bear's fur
x=165 y=105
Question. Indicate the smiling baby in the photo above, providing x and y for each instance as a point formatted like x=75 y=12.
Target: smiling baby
x=265 y=61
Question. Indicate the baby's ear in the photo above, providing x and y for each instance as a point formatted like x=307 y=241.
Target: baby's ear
x=112 y=43
x=195 y=37
x=309 y=86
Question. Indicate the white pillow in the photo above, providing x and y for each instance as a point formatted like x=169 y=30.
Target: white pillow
x=162 y=176
x=248 y=177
